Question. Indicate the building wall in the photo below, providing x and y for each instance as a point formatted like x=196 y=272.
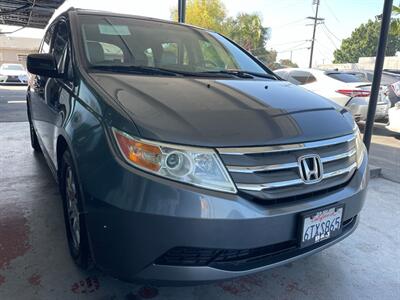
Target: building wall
x=15 y=49
x=365 y=63
x=17 y=56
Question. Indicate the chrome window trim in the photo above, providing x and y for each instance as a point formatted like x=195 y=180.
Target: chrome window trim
x=287 y=147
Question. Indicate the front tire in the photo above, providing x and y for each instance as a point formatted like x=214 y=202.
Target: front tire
x=34 y=139
x=73 y=213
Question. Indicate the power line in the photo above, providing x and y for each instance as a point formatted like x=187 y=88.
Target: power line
x=331 y=11
x=292 y=42
x=326 y=27
x=297 y=43
x=329 y=38
x=294 y=47
x=324 y=54
x=290 y=23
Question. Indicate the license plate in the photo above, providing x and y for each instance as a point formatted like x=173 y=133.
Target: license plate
x=320 y=225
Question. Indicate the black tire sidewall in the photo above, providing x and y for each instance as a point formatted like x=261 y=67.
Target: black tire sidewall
x=80 y=256
x=34 y=139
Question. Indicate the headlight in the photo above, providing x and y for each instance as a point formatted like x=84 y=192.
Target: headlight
x=196 y=166
x=360 y=147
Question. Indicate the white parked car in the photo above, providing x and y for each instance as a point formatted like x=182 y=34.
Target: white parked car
x=394 y=118
x=13 y=74
x=342 y=88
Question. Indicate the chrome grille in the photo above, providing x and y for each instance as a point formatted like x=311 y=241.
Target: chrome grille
x=272 y=172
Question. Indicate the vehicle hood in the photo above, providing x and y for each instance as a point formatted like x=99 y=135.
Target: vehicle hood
x=224 y=112
x=13 y=72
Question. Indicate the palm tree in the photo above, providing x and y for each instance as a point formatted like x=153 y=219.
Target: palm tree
x=247 y=30
x=396 y=10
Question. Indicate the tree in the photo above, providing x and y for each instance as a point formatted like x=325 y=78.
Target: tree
x=364 y=41
x=210 y=14
x=288 y=63
x=396 y=10
x=267 y=57
x=396 y=25
x=245 y=29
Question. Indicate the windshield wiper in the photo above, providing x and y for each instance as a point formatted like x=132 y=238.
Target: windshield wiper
x=137 y=69
x=242 y=74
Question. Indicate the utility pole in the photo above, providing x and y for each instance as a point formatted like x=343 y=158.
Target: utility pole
x=316 y=19
x=380 y=58
x=181 y=11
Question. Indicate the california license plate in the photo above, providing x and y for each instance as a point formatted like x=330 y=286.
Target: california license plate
x=320 y=225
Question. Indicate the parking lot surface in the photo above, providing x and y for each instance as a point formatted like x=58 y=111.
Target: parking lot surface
x=35 y=263
x=12 y=103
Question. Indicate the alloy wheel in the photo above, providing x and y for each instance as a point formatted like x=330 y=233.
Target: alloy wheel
x=72 y=208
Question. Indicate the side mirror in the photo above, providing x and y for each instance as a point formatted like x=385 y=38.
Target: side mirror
x=42 y=64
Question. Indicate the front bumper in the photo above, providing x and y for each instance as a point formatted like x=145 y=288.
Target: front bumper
x=394 y=120
x=359 y=110
x=19 y=80
x=128 y=236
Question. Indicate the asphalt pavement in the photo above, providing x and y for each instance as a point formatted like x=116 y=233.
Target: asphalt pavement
x=385 y=152
x=13 y=103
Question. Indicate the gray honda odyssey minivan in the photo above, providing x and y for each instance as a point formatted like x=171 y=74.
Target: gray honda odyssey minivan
x=181 y=157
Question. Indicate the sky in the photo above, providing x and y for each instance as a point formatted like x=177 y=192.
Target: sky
x=290 y=33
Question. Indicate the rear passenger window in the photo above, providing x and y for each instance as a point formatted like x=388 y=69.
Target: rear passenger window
x=347 y=77
x=301 y=77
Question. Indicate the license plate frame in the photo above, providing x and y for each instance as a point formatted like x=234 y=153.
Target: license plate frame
x=327 y=236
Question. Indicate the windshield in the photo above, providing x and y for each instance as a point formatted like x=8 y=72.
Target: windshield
x=119 y=41
x=12 y=67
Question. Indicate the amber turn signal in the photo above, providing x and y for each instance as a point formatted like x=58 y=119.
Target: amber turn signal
x=141 y=154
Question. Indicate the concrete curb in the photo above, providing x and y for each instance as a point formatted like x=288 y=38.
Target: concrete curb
x=374 y=172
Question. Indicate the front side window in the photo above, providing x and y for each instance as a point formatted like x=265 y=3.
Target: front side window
x=45 y=47
x=60 y=43
x=118 y=41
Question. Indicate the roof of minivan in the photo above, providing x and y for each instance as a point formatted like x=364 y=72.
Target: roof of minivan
x=82 y=11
